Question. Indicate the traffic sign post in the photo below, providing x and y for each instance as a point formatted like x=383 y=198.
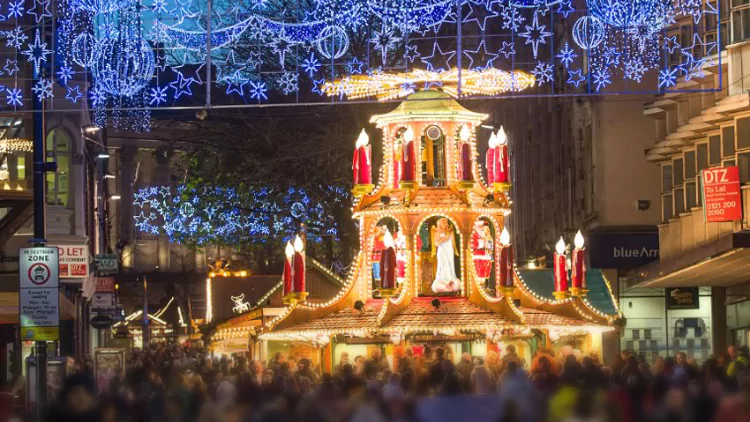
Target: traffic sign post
x=39 y=296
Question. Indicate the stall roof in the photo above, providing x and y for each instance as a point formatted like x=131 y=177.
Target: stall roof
x=542 y=282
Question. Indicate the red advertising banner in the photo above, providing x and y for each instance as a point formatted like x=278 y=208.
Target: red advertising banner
x=105 y=284
x=721 y=194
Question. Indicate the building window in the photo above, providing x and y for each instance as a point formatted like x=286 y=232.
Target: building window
x=715 y=26
x=679 y=201
x=714 y=150
x=59 y=149
x=743 y=134
x=743 y=162
x=678 y=175
x=689 y=165
x=740 y=20
x=691 y=197
x=701 y=157
x=667 y=210
x=666 y=178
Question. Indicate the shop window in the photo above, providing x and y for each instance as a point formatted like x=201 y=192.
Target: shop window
x=666 y=178
x=678 y=175
x=740 y=20
x=59 y=149
x=701 y=154
x=689 y=165
x=714 y=150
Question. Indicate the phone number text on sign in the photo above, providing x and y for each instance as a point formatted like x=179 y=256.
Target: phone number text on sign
x=721 y=194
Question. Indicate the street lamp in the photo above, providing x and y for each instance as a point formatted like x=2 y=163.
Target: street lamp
x=90 y=129
x=102 y=155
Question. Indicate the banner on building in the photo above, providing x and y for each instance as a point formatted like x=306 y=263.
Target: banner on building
x=74 y=261
x=622 y=250
x=721 y=194
x=683 y=298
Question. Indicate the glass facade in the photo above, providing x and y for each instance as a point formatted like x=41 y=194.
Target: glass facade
x=653 y=330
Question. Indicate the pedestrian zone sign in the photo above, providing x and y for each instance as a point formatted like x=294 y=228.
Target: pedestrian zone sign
x=39 y=294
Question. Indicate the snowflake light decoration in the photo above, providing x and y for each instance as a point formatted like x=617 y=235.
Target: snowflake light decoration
x=14 y=97
x=43 y=89
x=289 y=82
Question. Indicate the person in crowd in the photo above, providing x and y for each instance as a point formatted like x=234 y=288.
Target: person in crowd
x=511 y=356
x=464 y=368
x=741 y=361
x=76 y=402
x=436 y=374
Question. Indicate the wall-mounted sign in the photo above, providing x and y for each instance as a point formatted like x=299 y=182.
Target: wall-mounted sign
x=682 y=298
x=105 y=284
x=103 y=301
x=106 y=264
x=721 y=194
x=622 y=249
x=74 y=261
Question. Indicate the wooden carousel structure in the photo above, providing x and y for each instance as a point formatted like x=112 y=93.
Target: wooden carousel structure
x=435 y=261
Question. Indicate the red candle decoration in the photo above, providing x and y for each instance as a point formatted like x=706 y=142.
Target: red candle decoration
x=501 y=157
x=466 y=170
x=407 y=170
x=388 y=266
x=298 y=266
x=364 y=157
x=490 y=159
x=288 y=286
x=578 y=276
x=561 y=272
x=506 y=263
x=355 y=167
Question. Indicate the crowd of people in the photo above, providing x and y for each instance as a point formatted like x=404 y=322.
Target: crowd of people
x=173 y=383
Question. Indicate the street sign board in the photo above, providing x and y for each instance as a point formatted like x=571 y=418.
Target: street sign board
x=74 y=261
x=103 y=301
x=105 y=285
x=38 y=268
x=106 y=263
x=39 y=295
x=721 y=194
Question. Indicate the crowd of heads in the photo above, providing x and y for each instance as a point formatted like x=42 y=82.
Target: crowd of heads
x=176 y=383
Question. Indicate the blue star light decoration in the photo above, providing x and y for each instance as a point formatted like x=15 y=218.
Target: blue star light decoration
x=236 y=84
x=668 y=77
x=37 y=52
x=354 y=66
x=74 y=94
x=385 y=40
x=311 y=65
x=575 y=77
x=535 y=34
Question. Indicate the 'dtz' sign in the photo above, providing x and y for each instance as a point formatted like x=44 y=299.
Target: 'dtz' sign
x=721 y=194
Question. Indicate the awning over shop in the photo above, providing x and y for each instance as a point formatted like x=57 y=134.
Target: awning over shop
x=9 y=308
x=722 y=263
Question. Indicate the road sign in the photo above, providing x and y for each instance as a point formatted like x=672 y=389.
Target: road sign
x=101 y=322
x=38 y=268
x=103 y=301
x=106 y=264
x=721 y=194
x=39 y=295
x=74 y=261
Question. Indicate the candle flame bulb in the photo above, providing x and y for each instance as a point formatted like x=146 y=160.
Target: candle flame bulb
x=560 y=246
x=502 y=138
x=505 y=237
x=578 y=240
x=299 y=246
x=289 y=250
x=464 y=133
x=363 y=139
x=493 y=140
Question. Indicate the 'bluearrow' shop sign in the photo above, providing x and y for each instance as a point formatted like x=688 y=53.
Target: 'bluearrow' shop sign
x=682 y=298
x=622 y=250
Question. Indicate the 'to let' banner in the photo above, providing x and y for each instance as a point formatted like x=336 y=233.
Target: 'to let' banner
x=721 y=194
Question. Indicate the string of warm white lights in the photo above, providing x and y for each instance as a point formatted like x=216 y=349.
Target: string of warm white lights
x=15 y=145
x=456 y=82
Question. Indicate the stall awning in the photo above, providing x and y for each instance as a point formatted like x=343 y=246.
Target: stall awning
x=722 y=263
x=542 y=282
